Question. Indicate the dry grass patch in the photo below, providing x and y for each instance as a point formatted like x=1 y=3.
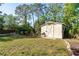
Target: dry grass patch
x=33 y=47
x=73 y=41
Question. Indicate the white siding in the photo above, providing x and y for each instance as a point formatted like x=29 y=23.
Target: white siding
x=43 y=30
x=57 y=31
x=49 y=31
x=52 y=31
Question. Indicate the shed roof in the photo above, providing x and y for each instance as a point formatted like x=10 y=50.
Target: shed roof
x=50 y=22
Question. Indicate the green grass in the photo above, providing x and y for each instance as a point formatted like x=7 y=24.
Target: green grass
x=32 y=47
x=10 y=37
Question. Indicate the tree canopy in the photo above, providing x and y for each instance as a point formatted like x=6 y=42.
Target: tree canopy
x=30 y=17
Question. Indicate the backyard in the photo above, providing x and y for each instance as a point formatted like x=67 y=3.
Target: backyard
x=22 y=46
x=24 y=29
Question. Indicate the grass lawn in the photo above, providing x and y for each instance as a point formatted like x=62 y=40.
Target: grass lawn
x=32 y=47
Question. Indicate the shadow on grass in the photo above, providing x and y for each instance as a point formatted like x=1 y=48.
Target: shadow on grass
x=10 y=37
x=5 y=39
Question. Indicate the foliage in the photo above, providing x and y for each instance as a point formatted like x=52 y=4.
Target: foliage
x=9 y=22
x=23 y=10
x=55 y=12
x=1 y=22
x=37 y=24
x=70 y=20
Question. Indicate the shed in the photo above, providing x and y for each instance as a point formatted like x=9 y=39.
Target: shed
x=51 y=30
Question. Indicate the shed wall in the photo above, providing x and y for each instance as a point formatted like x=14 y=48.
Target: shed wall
x=52 y=31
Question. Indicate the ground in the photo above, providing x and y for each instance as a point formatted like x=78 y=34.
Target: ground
x=74 y=45
x=32 y=47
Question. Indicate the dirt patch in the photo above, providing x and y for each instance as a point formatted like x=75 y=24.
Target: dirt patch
x=75 y=48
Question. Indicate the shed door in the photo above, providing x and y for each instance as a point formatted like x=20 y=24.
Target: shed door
x=49 y=31
x=57 y=31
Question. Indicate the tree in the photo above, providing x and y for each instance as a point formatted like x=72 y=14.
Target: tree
x=38 y=11
x=1 y=19
x=70 y=20
x=1 y=22
x=38 y=25
x=11 y=22
x=55 y=12
x=23 y=11
x=0 y=5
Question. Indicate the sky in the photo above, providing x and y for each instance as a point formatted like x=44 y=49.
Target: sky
x=9 y=8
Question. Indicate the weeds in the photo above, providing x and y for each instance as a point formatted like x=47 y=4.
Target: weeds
x=33 y=47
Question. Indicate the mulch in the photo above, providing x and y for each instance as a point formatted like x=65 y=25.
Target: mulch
x=75 y=48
